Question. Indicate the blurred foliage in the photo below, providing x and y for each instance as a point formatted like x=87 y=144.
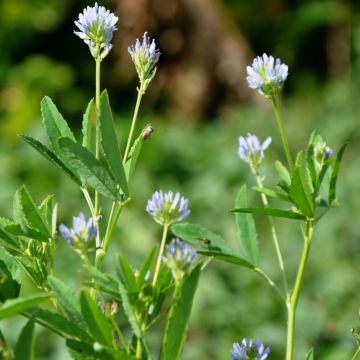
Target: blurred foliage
x=320 y=41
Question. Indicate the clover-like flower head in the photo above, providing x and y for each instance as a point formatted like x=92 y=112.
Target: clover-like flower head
x=249 y=350
x=82 y=230
x=179 y=257
x=145 y=57
x=266 y=75
x=96 y=25
x=251 y=150
x=165 y=208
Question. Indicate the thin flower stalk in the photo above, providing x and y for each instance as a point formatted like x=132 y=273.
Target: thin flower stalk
x=161 y=252
x=273 y=232
x=282 y=132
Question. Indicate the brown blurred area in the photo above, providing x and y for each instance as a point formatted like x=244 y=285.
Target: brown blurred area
x=202 y=69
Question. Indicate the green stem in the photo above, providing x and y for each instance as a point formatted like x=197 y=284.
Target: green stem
x=282 y=132
x=97 y=151
x=114 y=324
x=113 y=219
x=141 y=92
x=294 y=299
x=273 y=231
x=270 y=282
x=161 y=251
x=356 y=353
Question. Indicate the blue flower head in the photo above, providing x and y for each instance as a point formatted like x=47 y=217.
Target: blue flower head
x=165 y=208
x=179 y=257
x=251 y=150
x=266 y=75
x=145 y=57
x=249 y=350
x=322 y=153
x=96 y=25
x=82 y=230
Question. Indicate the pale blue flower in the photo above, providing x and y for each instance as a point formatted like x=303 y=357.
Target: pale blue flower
x=96 y=25
x=166 y=208
x=145 y=57
x=252 y=350
x=251 y=150
x=322 y=153
x=179 y=257
x=266 y=75
x=82 y=230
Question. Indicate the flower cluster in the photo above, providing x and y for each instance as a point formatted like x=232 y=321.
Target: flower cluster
x=82 y=231
x=322 y=153
x=251 y=150
x=252 y=350
x=266 y=75
x=179 y=257
x=96 y=25
x=145 y=57
x=166 y=208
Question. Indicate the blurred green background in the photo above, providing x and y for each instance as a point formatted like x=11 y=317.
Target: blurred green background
x=199 y=104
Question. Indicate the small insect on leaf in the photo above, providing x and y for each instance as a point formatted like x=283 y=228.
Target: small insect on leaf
x=146 y=134
x=203 y=240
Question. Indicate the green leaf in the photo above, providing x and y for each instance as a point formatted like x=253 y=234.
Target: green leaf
x=10 y=276
x=109 y=143
x=310 y=164
x=127 y=275
x=95 y=320
x=28 y=212
x=282 y=172
x=6 y=241
x=129 y=311
x=67 y=299
x=335 y=173
x=15 y=306
x=272 y=193
x=145 y=268
x=287 y=214
x=132 y=319
x=46 y=209
x=199 y=236
x=18 y=230
x=300 y=193
x=49 y=155
x=178 y=318
x=310 y=355
x=89 y=168
x=103 y=281
x=319 y=180
x=59 y=324
x=246 y=230
x=55 y=124
x=83 y=351
x=133 y=157
x=230 y=258
x=88 y=120
x=25 y=347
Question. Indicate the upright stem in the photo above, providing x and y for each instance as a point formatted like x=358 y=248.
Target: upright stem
x=282 y=132
x=97 y=149
x=356 y=353
x=161 y=251
x=273 y=231
x=294 y=299
x=113 y=219
x=133 y=123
